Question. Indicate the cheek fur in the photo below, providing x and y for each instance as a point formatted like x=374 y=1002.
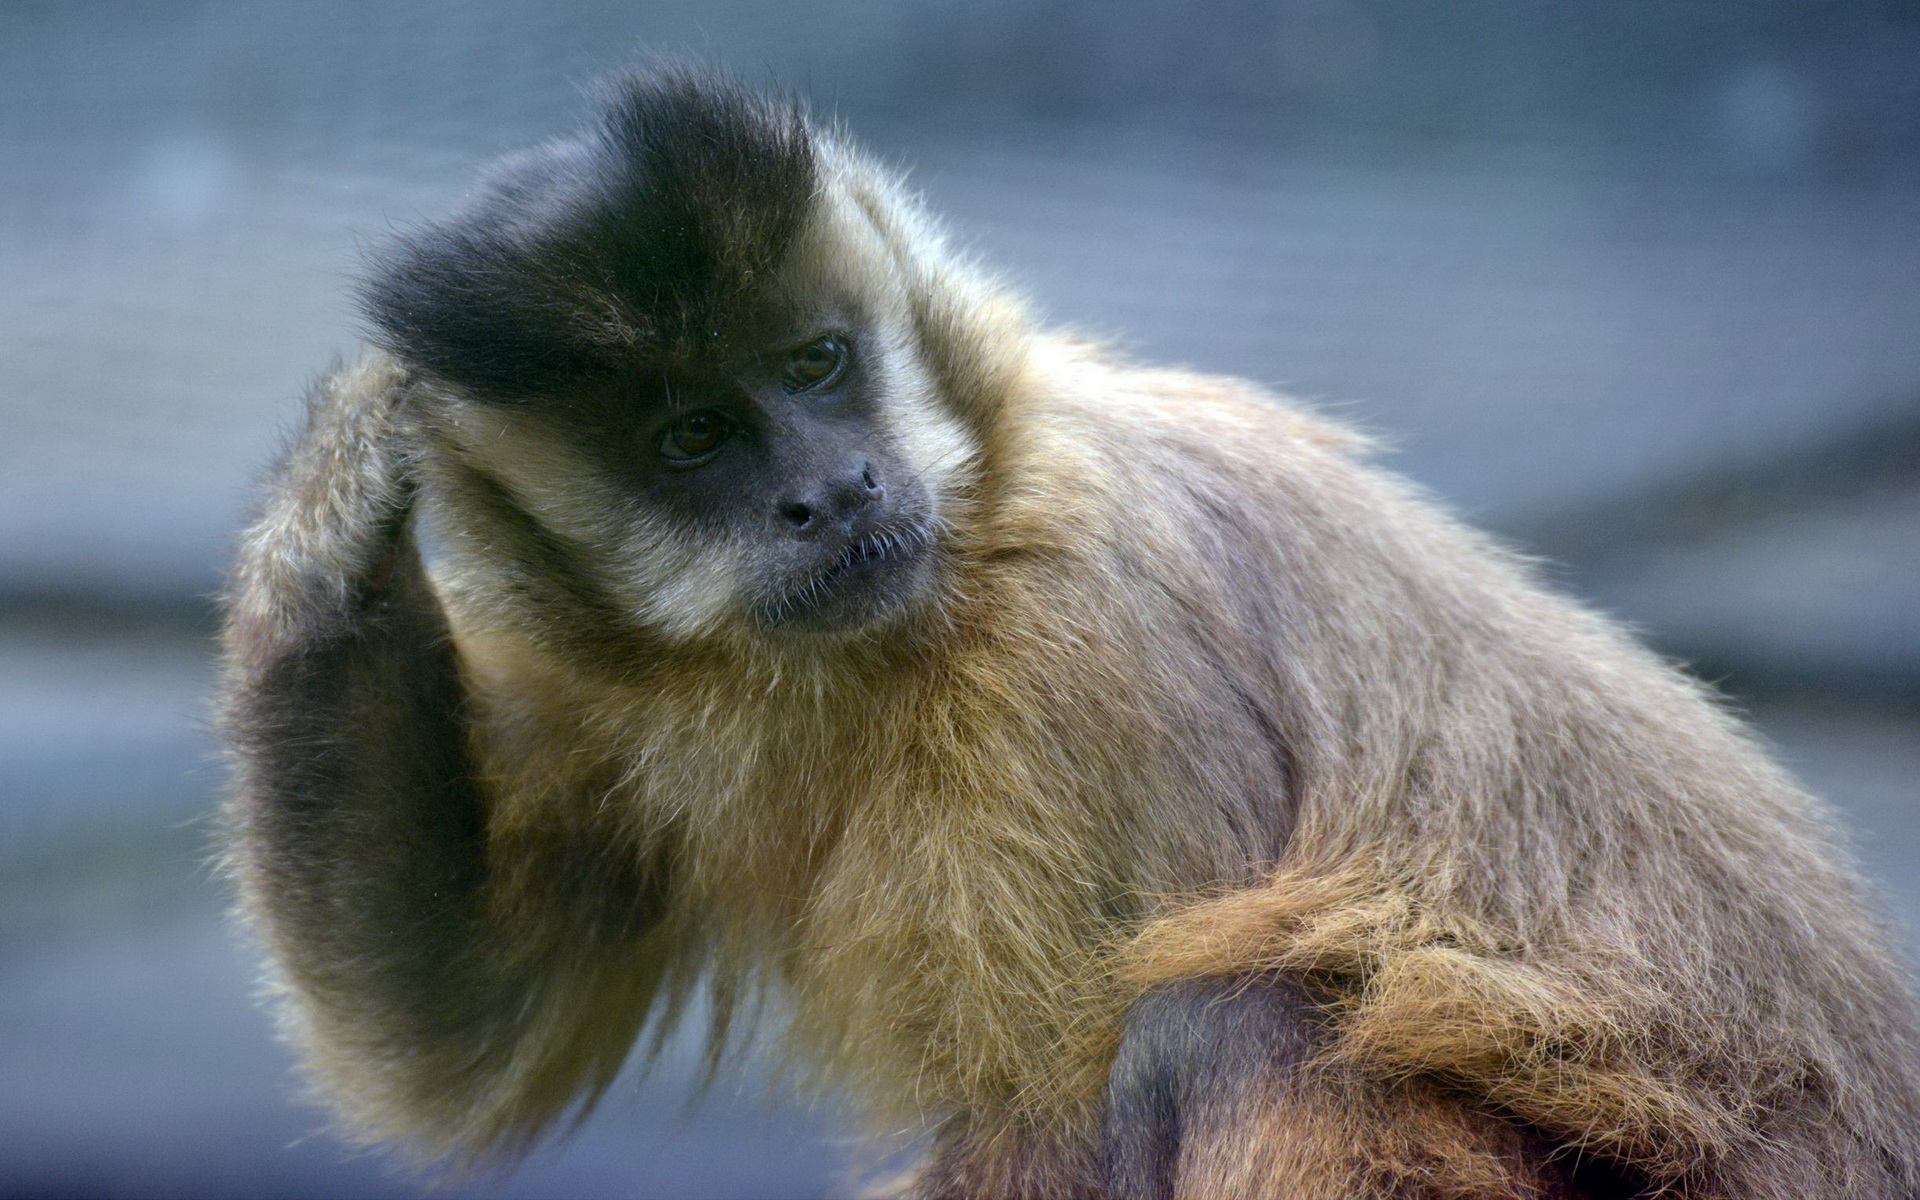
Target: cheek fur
x=673 y=580
x=677 y=584
x=936 y=449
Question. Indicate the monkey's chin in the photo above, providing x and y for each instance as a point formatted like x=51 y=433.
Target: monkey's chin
x=876 y=579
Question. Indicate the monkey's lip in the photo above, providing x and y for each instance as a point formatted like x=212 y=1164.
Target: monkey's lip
x=864 y=567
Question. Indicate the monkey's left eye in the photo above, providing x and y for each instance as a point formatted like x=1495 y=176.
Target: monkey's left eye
x=693 y=438
x=815 y=363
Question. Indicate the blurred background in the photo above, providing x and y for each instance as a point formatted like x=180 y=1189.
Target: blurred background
x=1635 y=283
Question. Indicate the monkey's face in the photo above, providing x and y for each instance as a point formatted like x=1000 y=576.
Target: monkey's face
x=786 y=475
x=672 y=383
x=791 y=486
x=787 y=466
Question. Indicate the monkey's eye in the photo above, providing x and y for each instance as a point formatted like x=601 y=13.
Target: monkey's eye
x=814 y=363
x=693 y=438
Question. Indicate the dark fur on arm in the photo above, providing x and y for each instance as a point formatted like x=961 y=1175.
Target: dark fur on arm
x=1221 y=1089
x=428 y=1010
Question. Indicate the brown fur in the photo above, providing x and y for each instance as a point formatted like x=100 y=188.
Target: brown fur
x=1201 y=695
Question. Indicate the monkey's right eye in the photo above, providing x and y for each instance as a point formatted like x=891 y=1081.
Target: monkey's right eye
x=693 y=438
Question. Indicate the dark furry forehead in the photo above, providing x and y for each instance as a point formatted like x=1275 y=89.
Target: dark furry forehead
x=634 y=242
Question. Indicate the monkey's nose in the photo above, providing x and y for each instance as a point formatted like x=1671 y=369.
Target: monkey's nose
x=831 y=502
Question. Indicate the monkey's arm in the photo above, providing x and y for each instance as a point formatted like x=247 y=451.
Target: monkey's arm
x=429 y=1006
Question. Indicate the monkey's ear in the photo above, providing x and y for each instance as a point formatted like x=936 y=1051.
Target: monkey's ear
x=585 y=258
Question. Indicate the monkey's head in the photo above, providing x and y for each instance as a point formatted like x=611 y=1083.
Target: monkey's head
x=697 y=371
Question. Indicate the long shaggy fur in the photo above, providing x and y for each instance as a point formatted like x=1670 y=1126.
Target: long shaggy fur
x=1202 y=697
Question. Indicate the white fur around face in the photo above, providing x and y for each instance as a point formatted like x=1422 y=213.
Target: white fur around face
x=677 y=581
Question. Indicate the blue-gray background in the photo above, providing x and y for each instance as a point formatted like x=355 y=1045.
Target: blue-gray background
x=1635 y=283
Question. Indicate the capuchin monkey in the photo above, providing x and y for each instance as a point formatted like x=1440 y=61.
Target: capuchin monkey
x=1109 y=771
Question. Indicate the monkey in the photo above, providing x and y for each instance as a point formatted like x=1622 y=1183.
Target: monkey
x=712 y=582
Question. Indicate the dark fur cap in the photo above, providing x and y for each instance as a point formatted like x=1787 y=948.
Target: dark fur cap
x=621 y=247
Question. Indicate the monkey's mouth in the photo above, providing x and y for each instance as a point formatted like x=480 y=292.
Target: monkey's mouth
x=873 y=574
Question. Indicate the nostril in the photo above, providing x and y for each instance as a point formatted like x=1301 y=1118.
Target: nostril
x=866 y=477
x=797 y=514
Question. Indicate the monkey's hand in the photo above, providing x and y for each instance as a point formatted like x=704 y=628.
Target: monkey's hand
x=331 y=548
x=427 y=1010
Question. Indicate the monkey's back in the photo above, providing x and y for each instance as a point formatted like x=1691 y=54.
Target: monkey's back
x=1511 y=826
